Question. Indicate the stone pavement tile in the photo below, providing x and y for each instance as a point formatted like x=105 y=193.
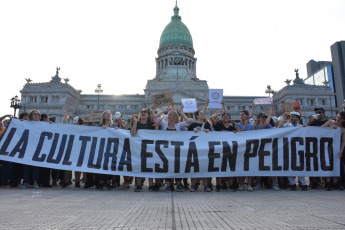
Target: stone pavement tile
x=92 y=209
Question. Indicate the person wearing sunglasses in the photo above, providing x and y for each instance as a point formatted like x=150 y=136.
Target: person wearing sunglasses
x=143 y=121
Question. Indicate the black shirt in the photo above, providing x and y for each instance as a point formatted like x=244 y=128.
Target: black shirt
x=198 y=126
x=220 y=127
x=318 y=123
x=148 y=125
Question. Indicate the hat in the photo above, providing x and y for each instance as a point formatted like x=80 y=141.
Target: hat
x=322 y=109
x=295 y=113
x=275 y=119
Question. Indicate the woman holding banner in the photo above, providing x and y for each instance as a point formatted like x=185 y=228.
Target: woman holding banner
x=173 y=124
x=338 y=123
x=31 y=171
x=104 y=179
x=223 y=125
x=244 y=125
x=144 y=121
x=200 y=124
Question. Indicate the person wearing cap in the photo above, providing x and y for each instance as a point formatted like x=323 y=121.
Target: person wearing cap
x=263 y=122
x=294 y=122
x=319 y=118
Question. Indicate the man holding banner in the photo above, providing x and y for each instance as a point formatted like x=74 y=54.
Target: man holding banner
x=294 y=122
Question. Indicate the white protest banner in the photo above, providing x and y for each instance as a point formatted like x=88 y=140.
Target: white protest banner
x=71 y=104
x=162 y=99
x=263 y=101
x=296 y=151
x=215 y=97
x=189 y=105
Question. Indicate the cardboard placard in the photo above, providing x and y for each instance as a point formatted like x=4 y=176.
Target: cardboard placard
x=292 y=106
x=162 y=99
x=93 y=117
x=287 y=107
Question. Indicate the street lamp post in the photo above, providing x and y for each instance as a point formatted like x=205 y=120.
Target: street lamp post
x=15 y=104
x=98 y=90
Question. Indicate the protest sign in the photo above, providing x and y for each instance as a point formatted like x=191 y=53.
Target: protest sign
x=263 y=101
x=291 y=106
x=215 y=98
x=162 y=99
x=93 y=117
x=287 y=107
x=189 y=105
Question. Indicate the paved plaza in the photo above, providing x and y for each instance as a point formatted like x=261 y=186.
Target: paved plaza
x=78 y=208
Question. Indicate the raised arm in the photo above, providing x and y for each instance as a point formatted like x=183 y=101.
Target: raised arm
x=173 y=105
x=342 y=144
x=206 y=106
x=161 y=112
x=282 y=121
x=270 y=115
x=65 y=118
x=3 y=117
x=252 y=110
x=134 y=126
x=213 y=117
x=223 y=103
x=185 y=118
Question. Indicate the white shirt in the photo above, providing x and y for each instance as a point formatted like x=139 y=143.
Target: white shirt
x=178 y=126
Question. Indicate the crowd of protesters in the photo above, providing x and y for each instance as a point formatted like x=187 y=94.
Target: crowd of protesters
x=171 y=119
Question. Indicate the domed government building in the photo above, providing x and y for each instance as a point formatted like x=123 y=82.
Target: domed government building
x=175 y=72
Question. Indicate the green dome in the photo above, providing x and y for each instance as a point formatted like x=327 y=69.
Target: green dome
x=176 y=33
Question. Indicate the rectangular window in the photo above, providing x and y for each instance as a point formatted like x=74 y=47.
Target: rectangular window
x=33 y=100
x=44 y=99
x=322 y=101
x=239 y=107
x=310 y=102
x=120 y=107
x=232 y=108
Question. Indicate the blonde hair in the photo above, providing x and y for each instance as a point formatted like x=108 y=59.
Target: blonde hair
x=31 y=112
x=175 y=116
x=102 y=118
